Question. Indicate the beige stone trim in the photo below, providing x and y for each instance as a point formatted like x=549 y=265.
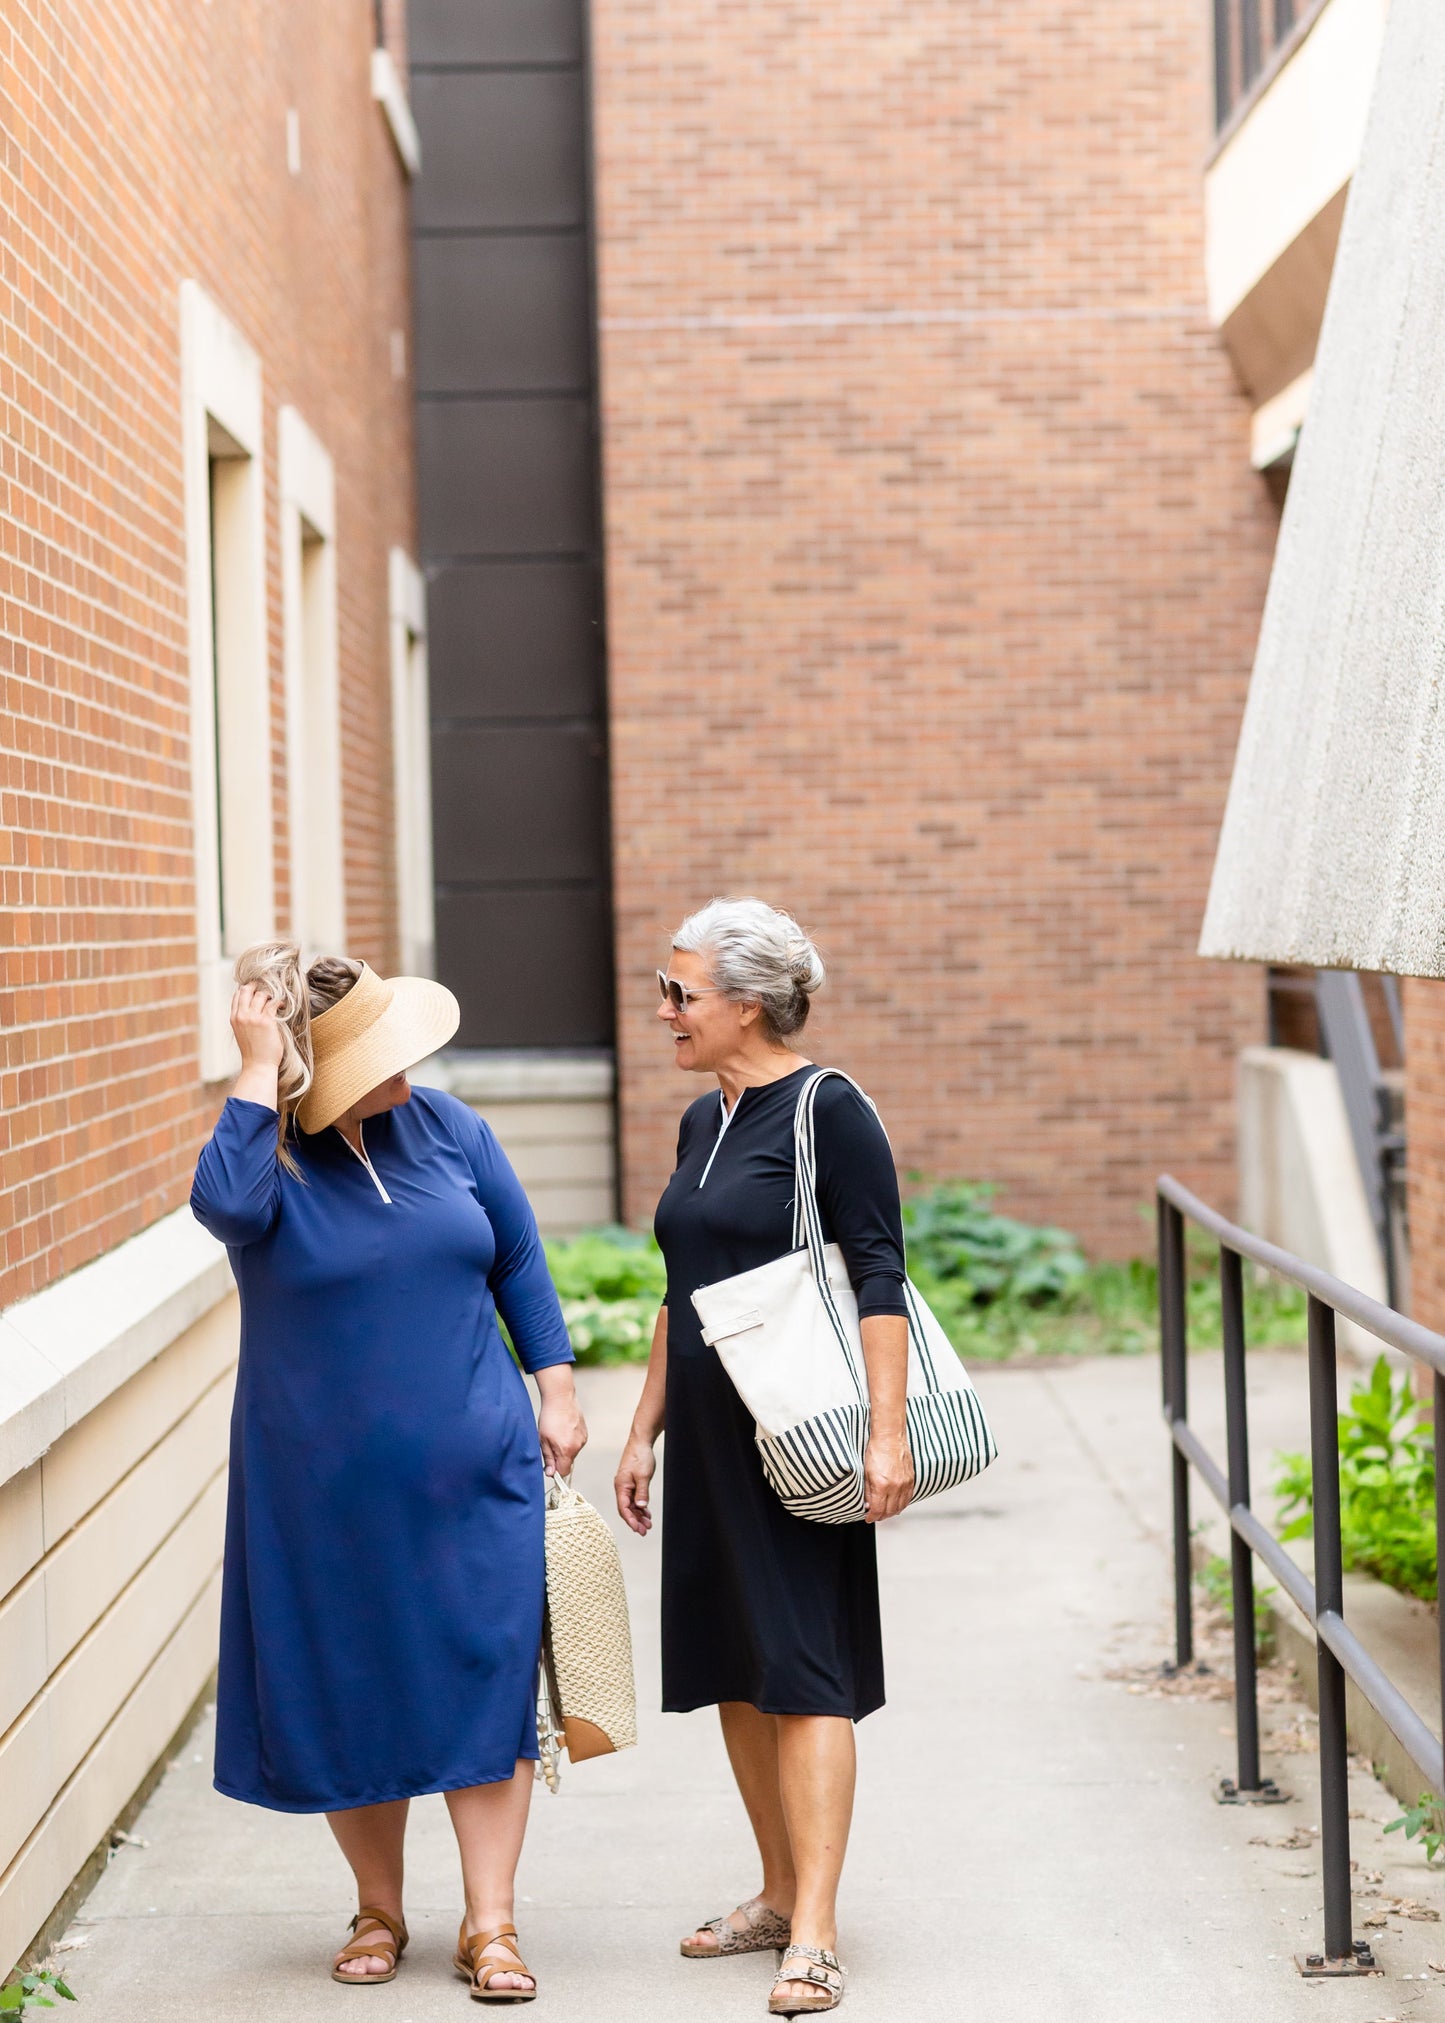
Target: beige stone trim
x=390 y=94
x=411 y=764
x=488 y=1076
x=226 y=603
x=94 y=1794
x=69 y=1347
x=311 y=658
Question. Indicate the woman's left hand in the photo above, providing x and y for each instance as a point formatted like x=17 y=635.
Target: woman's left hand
x=887 y=1477
x=560 y=1425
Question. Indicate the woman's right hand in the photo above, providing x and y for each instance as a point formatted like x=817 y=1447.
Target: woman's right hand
x=633 y=1483
x=257 y=1029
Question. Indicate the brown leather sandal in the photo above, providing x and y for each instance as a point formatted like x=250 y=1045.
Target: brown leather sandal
x=471 y=1962
x=391 y=1947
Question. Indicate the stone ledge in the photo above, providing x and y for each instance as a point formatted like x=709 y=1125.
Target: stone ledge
x=69 y=1346
x=484 y=1075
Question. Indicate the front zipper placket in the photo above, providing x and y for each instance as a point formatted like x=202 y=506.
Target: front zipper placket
x=362 y=1156
x=727 y=1117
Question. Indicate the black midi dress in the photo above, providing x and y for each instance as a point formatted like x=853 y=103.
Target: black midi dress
x=759 y=1605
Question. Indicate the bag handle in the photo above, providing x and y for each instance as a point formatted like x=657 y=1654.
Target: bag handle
x=805 y=1165
x=808 y=1221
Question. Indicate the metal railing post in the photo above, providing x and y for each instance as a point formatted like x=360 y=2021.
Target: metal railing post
x=1330 y=1598
x=1340 y=1654
x=1174 y=1358
x=1241 y=1560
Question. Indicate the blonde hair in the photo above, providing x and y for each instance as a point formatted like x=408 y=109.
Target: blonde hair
x=275 y=967
x=756 y=954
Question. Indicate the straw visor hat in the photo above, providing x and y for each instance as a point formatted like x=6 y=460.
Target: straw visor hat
x=382 y=1025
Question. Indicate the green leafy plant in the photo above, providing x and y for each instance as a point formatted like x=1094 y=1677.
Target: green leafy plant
x=1423 y=1821
x=1003 y=1289
x=27 y=1993
x=611 y=1283
x=1215 y=1580
x=1387 y=1486
x=955 y=1238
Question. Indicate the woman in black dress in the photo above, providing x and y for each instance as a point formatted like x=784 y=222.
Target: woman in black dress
x=769 y=1617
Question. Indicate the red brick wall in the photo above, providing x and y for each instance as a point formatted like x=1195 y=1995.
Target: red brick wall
x=140 y=144
x=935 y=564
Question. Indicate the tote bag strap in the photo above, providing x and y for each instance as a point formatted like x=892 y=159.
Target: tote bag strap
x=808 y=1221
x=805 y=1161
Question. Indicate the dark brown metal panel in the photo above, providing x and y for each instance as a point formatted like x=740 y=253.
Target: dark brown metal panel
x=494 y=31
x=514 y=639
x=501 y=148
x=506 y=477
x=531 y=967
x=518 y=801
x=507 y=455
x=502 y=314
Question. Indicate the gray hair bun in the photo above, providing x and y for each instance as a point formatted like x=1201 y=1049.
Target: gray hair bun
x=756 y=954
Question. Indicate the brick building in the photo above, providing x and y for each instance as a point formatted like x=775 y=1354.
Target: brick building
x=934 y=563
x=933 y=560
x=210 y=637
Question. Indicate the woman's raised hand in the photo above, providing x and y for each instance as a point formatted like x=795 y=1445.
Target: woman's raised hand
x=633 y=1484
x=256 y=1026
x=258 y=1035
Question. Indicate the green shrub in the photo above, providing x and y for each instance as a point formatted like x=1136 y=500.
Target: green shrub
x=608 y=1264
x=1004 y=1289
x=611 y=1283
x=1001 y=1288
x=1387 y=1486
x=955 y=1239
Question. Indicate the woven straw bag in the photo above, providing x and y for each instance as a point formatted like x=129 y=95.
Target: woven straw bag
x=586 y=1699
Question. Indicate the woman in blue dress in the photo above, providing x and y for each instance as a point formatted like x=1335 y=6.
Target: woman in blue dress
x=382 y=1607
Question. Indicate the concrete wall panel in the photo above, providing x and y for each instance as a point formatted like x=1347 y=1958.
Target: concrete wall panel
x=1331 y=847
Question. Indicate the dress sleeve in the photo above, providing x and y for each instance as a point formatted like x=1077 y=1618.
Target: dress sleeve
x=858 y=1194
x=236 y=1193
x=520 y=1281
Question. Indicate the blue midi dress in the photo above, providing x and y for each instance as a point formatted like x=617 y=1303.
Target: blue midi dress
x=381 y=1609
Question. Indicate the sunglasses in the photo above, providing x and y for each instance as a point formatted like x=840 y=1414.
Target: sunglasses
x=678 y=995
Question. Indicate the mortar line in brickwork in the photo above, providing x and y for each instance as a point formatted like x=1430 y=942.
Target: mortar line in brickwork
x=525 y=555
x=573 y=231
x=869 y=319
x=538 y=65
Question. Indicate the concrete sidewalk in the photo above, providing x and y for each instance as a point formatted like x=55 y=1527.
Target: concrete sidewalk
x=1034 y=1837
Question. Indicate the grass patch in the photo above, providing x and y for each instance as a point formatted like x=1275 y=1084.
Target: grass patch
x=1215 y=1581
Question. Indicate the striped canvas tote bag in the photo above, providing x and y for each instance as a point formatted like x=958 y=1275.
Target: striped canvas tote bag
x=787 y=1334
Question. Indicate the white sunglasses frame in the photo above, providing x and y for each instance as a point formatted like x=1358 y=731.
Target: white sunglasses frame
x=668 y=984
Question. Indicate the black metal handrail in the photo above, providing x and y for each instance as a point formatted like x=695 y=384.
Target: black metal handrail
x=1339 y=1653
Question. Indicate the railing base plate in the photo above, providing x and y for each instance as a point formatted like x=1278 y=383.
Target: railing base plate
x=1269 y=1793
x=1315 y=1967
